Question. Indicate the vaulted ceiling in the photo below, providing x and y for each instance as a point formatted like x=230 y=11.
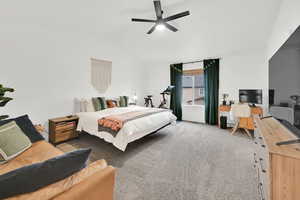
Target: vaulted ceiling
x=214 y=28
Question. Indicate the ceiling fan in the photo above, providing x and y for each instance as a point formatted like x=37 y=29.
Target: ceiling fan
x=160 y=22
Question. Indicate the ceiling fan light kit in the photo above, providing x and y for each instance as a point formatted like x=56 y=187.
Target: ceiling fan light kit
x=160 y=22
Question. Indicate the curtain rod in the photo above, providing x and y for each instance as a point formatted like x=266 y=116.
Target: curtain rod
x=198 y=61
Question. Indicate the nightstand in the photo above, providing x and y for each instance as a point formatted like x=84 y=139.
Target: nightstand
x=62 y=129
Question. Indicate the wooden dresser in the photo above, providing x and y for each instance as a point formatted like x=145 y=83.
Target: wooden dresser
x=62 y=129
x=277 y=167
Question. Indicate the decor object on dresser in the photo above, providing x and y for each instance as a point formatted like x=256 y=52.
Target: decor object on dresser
x=101 y=74
x=224 y=101
x=277 y=166
x=4 y=100
x=62 y=129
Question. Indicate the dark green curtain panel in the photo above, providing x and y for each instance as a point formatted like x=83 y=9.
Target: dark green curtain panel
x=176 y=95
x=211 y=82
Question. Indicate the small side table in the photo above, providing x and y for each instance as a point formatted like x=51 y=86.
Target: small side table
x=62 y=129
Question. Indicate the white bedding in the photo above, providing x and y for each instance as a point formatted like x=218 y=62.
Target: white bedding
x=131 y=131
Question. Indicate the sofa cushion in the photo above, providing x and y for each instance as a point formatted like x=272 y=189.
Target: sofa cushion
x=26 y=126
x=12 y=141
x=33 y=177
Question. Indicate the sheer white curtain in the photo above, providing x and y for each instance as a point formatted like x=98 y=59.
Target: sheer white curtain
x=101 y=74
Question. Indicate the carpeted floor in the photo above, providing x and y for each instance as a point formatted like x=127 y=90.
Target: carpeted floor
x=183 y=162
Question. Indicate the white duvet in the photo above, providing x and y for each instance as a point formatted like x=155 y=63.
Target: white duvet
x=131 y=131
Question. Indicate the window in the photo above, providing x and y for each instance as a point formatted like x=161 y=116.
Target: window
x=193 y=87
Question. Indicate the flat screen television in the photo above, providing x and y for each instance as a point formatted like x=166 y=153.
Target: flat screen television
x=250 y=96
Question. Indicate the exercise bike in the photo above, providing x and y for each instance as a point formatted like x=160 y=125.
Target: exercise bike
x=163 y=103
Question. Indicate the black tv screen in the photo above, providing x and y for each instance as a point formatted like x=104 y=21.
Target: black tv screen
x=250 y=96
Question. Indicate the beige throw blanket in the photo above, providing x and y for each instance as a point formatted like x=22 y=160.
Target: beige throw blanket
x=114 y=123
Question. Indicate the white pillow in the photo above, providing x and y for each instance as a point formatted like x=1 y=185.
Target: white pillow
x=83 y=105
x=89 y=106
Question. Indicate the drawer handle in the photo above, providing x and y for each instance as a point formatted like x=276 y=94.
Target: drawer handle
x=261 y=190
x=255 y=160
x=261 y=165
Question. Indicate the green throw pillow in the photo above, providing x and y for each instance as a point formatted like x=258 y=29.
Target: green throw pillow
x=99 y=103
x=124 y=101
x=12 y=141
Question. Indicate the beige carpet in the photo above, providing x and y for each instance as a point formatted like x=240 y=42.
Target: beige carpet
x=183 y=162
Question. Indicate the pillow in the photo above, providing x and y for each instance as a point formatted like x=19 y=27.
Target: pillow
x=124 y=101
x=112 y=103
x=82 y=104
x=90 y=106
x=12 y=141
x=99 y=103
x=33 y=177
x=26 y=126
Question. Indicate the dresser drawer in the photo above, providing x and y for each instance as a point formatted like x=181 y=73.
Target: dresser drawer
x=261 y=185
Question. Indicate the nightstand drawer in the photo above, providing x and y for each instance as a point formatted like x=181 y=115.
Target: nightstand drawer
x=66 y=135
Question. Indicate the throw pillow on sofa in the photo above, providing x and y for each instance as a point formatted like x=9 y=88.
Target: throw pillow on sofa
x=33 y=177
x=26 y=126
x=12 y=141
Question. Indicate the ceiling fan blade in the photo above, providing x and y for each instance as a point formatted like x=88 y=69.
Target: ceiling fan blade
x=143 y=20
x=179 y=15
x=152 y=29
x=172 y=28
x=158 y=9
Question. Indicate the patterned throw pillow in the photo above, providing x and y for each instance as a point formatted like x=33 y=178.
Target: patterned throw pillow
x=112 y=103
x=13 y=141
x=99 y=103
x=124 y=101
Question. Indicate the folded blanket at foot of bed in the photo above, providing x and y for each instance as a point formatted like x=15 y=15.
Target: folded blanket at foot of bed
x=114 y=123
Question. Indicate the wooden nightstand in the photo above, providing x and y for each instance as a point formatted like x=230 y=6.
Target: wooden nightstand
x=62 y=129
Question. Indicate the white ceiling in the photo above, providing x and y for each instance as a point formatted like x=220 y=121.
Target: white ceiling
x=214 y=28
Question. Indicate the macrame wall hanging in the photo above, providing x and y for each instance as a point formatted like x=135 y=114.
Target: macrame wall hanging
x=101 y=74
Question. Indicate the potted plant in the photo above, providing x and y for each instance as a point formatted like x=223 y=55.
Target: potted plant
x=225 y=96
x=4 y=100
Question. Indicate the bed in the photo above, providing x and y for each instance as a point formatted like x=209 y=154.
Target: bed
x=132 y=130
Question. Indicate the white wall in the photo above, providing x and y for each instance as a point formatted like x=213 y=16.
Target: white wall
x=244 y=70
x=287 y=22
x=285 y=74
x=49 y=69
